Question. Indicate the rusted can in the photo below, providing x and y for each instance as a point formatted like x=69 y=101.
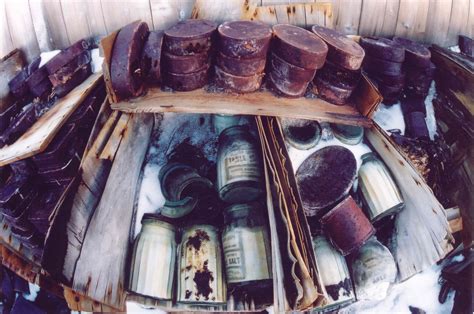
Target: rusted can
x=300 y=133
x=379 y=191
x=153 y=261
x=373 y=270
x=246 y=244
x=200 y=269
x=348 y=134
x=182 y=187
x=221 y=122
x=333 y=271
x=239 y=166
x=346 y=226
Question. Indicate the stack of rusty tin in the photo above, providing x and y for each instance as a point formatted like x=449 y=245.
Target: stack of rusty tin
x=384 y=64
x=187 y=52
x=296 y=56
x=242 y=55
x=340 y=75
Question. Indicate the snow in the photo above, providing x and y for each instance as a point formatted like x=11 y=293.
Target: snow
x=48 y=55
x=96 y=61
x=430 y=114
x=390 y=117
x=136 y=308
x=455 y=49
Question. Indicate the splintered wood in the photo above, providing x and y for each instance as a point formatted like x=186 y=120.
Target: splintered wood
x=101 y=268
x=38 y=137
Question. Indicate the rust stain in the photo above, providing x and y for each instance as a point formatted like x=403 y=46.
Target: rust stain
x=203 y=278
x=196 y=240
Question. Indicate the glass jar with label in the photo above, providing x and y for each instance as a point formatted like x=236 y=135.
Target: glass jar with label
x=246 y=245
x=224 y=121
x=239 y=166
x=153 y=261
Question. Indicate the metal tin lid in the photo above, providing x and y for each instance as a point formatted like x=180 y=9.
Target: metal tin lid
x=236 y=211
x=348 y=134
x=153 y=218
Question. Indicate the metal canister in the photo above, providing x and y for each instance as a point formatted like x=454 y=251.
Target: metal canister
x=224 y=121
x=182 y=187
x=348 y=134
x=379 y=191
x=239 y=166
x=200 y=271
x=373 y=270
x=300 y=133
x=153 y=261
x=347 y=227
x=246 y=244
x=333 y=271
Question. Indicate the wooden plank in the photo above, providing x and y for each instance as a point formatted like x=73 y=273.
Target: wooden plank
x=95 y=18
x=291 y=14
x=76 y=19
x=259 y=103
x=37 y=138
x=6 y=43
x=103 y=279
x=80 y=303
x=390 y=18
x=265 y=14
x=120 y=13
x=437 y=25
x=55 y=24
x=412 y=18
x=166 y=13
x=470 y=20
x=220 y=11
x=458 y=21
x=21 y=28
x=348 y=16
x=423 y=236
x=112 y=145
x=372 y=17
x=319 y=14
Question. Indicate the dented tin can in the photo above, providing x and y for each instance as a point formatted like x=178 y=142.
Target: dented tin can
x=347 y=227
x=379 y=191
x=246 y=244
x=200 y=269
x=333 y=271
x=239 y=166
x=300 y=133
x=373 y=270
x=153 y=261
x=221 y=122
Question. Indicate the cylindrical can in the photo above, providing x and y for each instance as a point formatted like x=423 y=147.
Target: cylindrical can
x=373 y=270
x=153 y=261
x=333 y=270
x=300 y=133
x=239 y=166
x=200 y=276
x=348 y=134
x=246 y=245
x=221 y=122
x=379 y=191
x=347 y=227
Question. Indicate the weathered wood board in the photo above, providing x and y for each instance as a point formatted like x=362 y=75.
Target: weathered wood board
x=100 y=269
x=37 y=138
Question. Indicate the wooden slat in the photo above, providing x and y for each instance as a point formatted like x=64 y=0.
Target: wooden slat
x=76 y=15
x=100 y=270
x=166 y=13
x=437 y=25
x=458 y=21
x=390 y=18
x=266 y=14
x=412 y=18
x=120 y=13
x=319 y=14
x=37 y=138
x=21 y=28
x=6 y=44
x=260 y=103
x=372 y=17
x=348 y=16
x=470 y=20
x=55 y=24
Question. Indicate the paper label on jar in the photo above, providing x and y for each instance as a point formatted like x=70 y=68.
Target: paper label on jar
x=242 y=164
x=247 y=254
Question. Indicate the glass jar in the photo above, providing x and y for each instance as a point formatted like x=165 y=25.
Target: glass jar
x=377 y=188
x=348 y=134
x=200 y=273
x=239 y=166
x=153 y=260
x=246 y=244
x=221 y=122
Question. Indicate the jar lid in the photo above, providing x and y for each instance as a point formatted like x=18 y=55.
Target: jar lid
x=236 y=211
x=348 y=134
x=235 y=130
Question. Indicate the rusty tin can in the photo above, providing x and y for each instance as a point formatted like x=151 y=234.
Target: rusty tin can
x=239 y=166
x=379 y=191
x=300 y=133
x=153 y=262
x=347 y=227
x=246 y=244
x=332 y=268
x=200 y=268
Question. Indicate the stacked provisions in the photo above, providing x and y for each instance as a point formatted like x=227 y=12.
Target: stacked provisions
x=384 y=65
x=242 y=55
x=296 y=56
x=341 y=72
x=187 y=54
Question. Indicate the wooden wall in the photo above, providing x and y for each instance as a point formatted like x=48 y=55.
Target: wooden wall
x=42 y=25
